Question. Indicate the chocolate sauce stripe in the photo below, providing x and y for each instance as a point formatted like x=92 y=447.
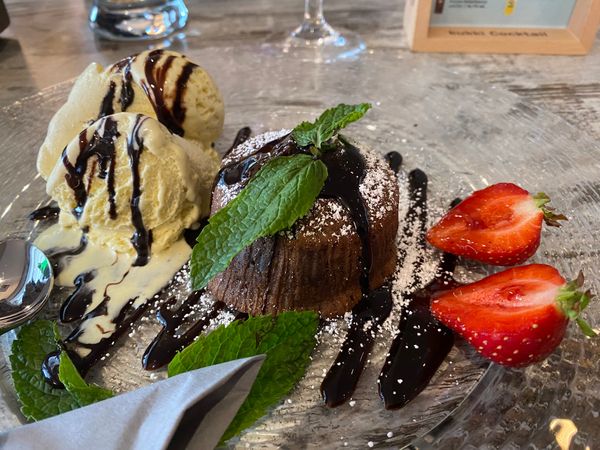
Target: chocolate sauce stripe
x=168 y=342
x=142 y=238
x=106 y=107
x=154 y=87
x=101 y=146
x=414 y=358
x=376 y=305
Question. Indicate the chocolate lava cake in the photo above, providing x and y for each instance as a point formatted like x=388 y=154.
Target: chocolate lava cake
x=321 y=263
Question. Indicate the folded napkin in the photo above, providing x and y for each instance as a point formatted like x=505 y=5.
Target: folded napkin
x=188 y=411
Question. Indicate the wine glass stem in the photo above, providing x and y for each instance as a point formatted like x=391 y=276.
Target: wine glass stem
x=313 y=12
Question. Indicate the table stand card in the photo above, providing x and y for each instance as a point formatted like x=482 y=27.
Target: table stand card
x=559 y=27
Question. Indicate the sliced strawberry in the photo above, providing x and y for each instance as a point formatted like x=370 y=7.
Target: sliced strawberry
x=499 y=225
x=516 y=317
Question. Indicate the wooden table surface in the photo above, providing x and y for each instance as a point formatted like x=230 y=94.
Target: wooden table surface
x=49 y=41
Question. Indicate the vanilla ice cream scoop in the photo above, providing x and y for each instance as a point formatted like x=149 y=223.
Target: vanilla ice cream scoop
x=131 y=184
x=161 y=84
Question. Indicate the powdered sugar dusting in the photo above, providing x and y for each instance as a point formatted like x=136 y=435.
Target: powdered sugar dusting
x=252 y=144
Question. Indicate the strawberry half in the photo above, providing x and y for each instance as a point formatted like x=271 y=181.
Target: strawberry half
x=516 y=317
x=498 y=225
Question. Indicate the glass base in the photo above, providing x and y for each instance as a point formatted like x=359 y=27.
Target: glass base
x=321 y=43
x=137 y=21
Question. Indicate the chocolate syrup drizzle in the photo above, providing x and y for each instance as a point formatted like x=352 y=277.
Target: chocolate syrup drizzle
x=241 y=171
x=164 y=346
x=128 y=315
x=127 y=94
x=106 y=107
x=48 y=212
x=76 y=304
x=367 y=317
x=370 y=313
x=142 y=238
x=242 y=136
x=422 y=343
x=154 y=87
x=101 y=146
x=346 y=170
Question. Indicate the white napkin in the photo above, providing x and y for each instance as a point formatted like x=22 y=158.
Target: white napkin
x=188 y=411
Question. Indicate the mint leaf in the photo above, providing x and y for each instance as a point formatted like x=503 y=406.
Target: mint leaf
x=328 y=124
x=83 y=393
x=279 y=194
x=38 y=400
x=287 y=339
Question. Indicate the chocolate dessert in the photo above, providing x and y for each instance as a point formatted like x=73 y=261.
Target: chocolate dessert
x=344 y=248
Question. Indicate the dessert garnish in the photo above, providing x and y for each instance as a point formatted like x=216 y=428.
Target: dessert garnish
x=516 y=317
x=38 y=399
x=287 y=340
x=498 y=225
x=281 y=192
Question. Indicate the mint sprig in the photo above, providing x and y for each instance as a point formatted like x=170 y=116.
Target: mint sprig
x=38 y=399
x=328 y=124
x=279 y=194
x=83 y=393
x=287 y=340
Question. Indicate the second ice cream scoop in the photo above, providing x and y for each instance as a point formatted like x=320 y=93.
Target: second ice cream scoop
x=161 y=84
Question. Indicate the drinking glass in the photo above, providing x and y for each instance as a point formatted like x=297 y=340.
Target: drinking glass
x=317 y=40
x=137 y=19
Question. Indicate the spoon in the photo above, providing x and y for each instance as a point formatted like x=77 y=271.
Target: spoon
x=25 y=282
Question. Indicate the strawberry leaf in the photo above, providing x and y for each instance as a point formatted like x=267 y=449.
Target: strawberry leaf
x=551 y=218
x=572 y=302
x=586 y=328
